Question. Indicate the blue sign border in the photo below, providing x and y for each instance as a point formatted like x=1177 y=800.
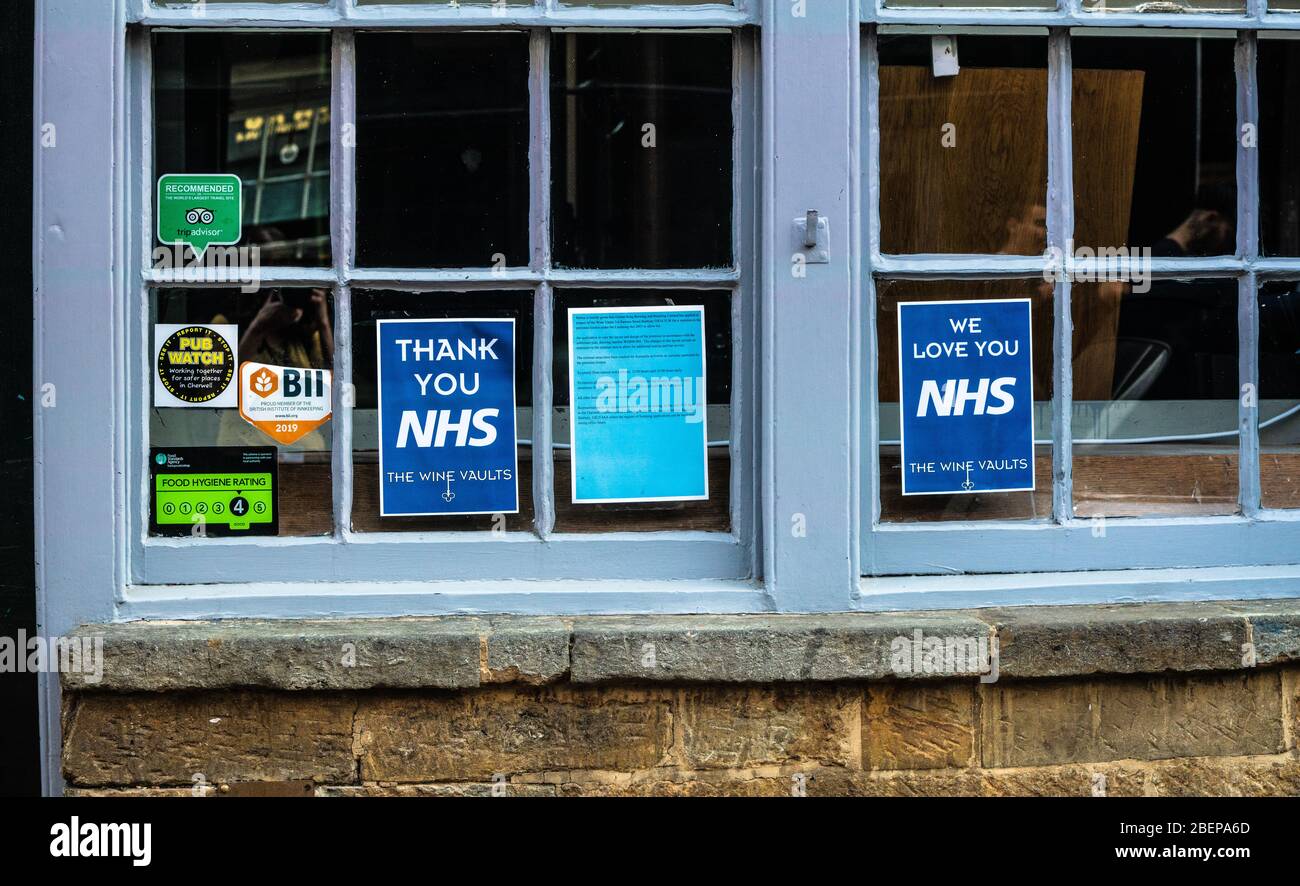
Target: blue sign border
x=902 y=423
x=379 y=416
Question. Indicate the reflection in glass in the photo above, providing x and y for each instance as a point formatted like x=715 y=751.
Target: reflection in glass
x=256 y=105
x=1155 y=404
x=442 y=150
x=1279 y=394
x=973 y=4
x=1104 y=6
x=713 y=514
x=641 y=150
x=894 y=507
x=280 y=327
x=963 y=159
x=1155 y=145
x=1279 y=147
x=369 y=306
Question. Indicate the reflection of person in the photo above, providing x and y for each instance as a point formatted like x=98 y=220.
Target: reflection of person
x=1209 y=228
x=1203 y=232
x=290 y=329
x=1026 y=232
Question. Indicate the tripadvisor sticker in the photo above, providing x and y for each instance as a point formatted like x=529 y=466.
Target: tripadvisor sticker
x=284 y=403
x=195 y=365
x=200 y=211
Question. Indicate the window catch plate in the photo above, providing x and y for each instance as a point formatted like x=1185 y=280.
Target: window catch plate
x=813 y=237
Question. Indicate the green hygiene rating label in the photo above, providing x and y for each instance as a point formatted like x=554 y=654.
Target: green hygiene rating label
x=218 y=491
x=200 y=211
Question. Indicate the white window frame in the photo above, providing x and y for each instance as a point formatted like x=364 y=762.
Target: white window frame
x=1067 y=560
x=400 y=572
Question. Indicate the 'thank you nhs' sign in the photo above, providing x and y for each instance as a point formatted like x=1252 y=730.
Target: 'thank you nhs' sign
x=966 y=396
x=447 y=417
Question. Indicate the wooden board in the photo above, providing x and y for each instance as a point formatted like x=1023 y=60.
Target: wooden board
x=305 y=504
x=987 y=193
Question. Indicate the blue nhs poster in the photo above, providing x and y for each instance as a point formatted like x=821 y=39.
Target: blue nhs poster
x=966 y=396
x=639 y=404
x=447 y=417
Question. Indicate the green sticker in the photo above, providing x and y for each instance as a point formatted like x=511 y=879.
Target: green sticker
x=200 y=211
x=213 y=491
x=234 y=500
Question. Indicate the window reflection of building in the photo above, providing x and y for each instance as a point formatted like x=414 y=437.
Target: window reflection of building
x=281 y=151
x=257 y=106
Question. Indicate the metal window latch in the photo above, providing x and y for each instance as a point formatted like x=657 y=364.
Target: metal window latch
x=813 y=237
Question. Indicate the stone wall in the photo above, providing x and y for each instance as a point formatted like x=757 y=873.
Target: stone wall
x=538 y=713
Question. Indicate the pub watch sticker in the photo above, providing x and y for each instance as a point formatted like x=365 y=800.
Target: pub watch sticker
x=195 y=365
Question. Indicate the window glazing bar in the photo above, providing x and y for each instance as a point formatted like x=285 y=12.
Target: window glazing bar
x=1248 y=292
x=1060 y=237
x=1077 y=18
x=350 y=14
x=343 y=128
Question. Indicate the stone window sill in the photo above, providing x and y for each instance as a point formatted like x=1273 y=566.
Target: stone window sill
x=462 y=652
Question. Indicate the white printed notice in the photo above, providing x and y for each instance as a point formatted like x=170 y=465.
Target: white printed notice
x=639 y=400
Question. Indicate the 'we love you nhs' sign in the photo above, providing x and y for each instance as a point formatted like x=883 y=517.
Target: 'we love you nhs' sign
x=966 y=396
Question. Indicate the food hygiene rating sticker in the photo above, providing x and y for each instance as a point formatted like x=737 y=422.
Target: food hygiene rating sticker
x=225 y=490
x=195 y=365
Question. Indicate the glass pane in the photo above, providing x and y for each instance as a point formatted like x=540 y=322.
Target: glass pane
x=963 y=158
x=1155 y=145
x=626 y=3
x=470 y=3
x=1155 y=398
x=370 y=306
x=1279 y=394
x=895 y=507
x=442 y=150
x=973 y=4
x=641 y=150
x=256 y=105
x=1279 y=147
x=710 y=513
x=1104 y=6
x=291 y=328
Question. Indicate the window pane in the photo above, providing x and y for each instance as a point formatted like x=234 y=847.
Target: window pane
x=713 y=513
x=963 y=159
x=1279 y=147
x=1155 y=399
x=1104 y=6
x=641 y=150
x=894 y=506
x=442 y=150
x=255 y=105
x=1155 y=145
x=627 y=3
x=470 y=3
x=1279 y=394
x=974 y=4
x=370 y=306
x=291 y=328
